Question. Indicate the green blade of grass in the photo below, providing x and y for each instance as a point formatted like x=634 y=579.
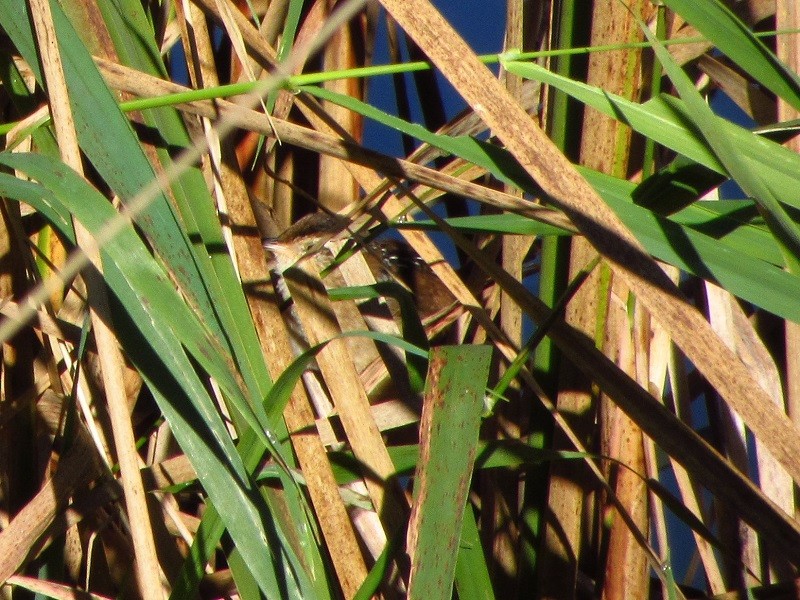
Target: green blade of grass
x=279 y=394
x=457 y=379
x=731 y=36
x=751 y=279
x=472 y=578
x=134 y=42
x=478 y=153
x=738 y=167
x=163 y=322
x=116 y=154
x=743 y=257
x=666 y=120
x=136 y=47
x=25 y=102
x=500 y=223
x=202 y=269
x=129 y=254
x=244 y=514
x=736 y=223
x=189 y=244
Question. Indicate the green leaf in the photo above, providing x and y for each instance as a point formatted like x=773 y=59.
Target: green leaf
x=495 y=160
x=155 y=326
x=472 y=578
x=112 y=148
x=667 y=121
x=135 y=43
x=729 y=154
x=731 y=36
x=202 y=267
x=750 y=278
x=736 y=223
x=451 y=419
x=500 y=223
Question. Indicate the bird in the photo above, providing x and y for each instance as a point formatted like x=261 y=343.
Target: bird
x=303 y=239
x=389 y=259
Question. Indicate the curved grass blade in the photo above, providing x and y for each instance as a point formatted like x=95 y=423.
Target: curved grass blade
x=493 y=159
x=414 y=341
x=472 y=578
x=732 y=37
x=128 y=252
x=736 y=223
x=245 y=516
x=749 y=278
x=381 y=569
x=163 y=322
x=225 y=300
x=119 y=158
x=43 y=200
x=739 y=168
x=667 y=121
x=116 y=154
x=500 y=223
x=25 y=102
x=202 y=268
x=279 y=393
x=135 y=44
x=743 y=256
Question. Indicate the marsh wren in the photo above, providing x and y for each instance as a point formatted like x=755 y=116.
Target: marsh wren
x=388 y=259
x=303 y=239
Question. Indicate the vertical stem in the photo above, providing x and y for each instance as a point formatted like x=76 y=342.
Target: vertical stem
x=500 y=493
x=787 y=16
x=111 y=361
x=560 y=547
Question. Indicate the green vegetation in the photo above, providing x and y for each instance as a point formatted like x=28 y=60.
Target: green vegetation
x=593 y=392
